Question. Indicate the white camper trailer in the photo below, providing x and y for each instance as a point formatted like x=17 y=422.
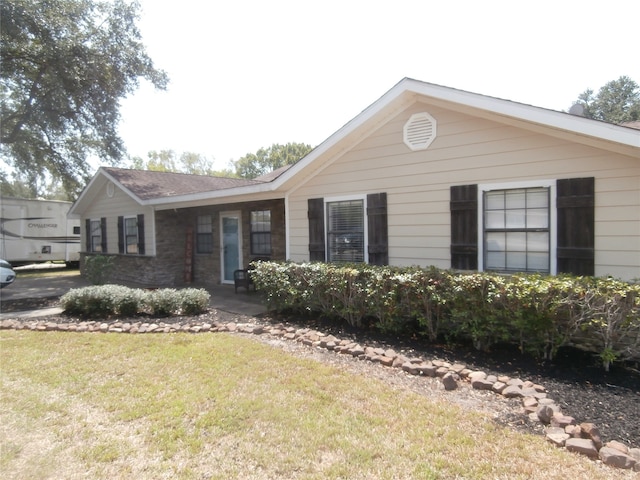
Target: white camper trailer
x=33 y=231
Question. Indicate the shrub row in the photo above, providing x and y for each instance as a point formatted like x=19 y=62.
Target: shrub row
x=537 y=313
x=117 y=300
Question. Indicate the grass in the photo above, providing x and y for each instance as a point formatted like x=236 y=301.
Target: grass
x=221 y=406
x=60 y=270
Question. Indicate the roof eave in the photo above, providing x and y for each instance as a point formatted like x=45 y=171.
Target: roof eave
x=101 y=174
x=606 y=135
x=372 y=111
x=599 y=131
x=169 y=202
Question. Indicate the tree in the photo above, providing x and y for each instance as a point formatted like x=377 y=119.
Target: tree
x=20 y=187
x=66 y=64
x=197 y=164
x=187 y=162
x=269 y=159
x=162 y=161
x=618 y=101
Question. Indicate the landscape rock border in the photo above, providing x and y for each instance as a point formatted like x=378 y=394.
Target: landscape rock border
x=561 y=429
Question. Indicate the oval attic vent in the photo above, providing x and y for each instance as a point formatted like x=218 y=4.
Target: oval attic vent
x=419 y=131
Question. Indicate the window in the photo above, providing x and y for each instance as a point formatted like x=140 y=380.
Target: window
x=204 y=234
x=351 y=236
x=345 y=231
x=261 y=232
x=516 y=230
x=539 y=226
x=95 y=227
x=131 y=234
x=95 y=235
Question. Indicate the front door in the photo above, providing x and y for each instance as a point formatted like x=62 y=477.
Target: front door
x=231 y=242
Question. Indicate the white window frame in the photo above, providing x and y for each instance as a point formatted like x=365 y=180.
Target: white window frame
x=347 y=198
x=553 y=242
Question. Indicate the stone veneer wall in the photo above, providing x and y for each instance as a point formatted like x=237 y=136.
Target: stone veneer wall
x=135 y=270
x=167 y=268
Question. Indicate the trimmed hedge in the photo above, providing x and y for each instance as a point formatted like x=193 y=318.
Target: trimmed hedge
x=537 y=313
x=117 y=300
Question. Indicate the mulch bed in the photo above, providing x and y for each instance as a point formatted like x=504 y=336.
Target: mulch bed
x=23 y=304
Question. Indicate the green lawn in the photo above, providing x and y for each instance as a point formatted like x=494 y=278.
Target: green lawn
x=59 y=271
x=219 y=406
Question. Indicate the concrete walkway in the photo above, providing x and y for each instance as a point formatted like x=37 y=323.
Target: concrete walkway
x=223 y=297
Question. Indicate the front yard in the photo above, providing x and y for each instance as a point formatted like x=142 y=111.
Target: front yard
x=222 y=406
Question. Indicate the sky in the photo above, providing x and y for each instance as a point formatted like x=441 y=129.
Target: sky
x=248 y=74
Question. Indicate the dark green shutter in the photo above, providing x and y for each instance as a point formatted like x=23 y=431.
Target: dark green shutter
x=141 y=234
x=316 y=229
x=121 y=234
x=87 y=234
x=103 y=230
x=378 y=247
x=575 y=203
x=464 y=227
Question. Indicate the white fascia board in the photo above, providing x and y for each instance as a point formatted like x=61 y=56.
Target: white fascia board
x=73 y=211
x=549 y=118
x=204 y=196
x=367 y=114
x=102 y=176
x=598 y=131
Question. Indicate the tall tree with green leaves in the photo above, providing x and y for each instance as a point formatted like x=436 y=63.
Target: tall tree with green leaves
x=618 y=101
x=266 y=160
x=161 y=161
x=66 y=65
x=21 y=186
x=187 y=162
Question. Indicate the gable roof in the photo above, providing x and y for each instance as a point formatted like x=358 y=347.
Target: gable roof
x=150 y=185
x=408 y=91
x=164 y=189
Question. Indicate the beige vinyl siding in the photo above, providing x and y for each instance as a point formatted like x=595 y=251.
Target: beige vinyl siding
x=617 y=240
x=471 y=150
x=120 y=204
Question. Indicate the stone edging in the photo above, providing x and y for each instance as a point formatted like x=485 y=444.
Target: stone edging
x=560 y=430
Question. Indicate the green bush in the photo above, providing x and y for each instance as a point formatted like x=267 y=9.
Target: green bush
x=102 y=301
x=425 y=294
x=193 y=301
x=120 y=301
x=162 y=302
x=608 y=312
x=273 y=280
x=537 y=313
x=97 y=268
x=477 y=309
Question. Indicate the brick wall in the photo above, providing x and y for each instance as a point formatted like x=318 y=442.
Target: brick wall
x=167 y=268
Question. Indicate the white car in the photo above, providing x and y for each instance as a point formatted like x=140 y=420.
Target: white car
x=7 y=275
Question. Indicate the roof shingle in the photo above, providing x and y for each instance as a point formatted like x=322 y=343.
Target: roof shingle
x=150 y=185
